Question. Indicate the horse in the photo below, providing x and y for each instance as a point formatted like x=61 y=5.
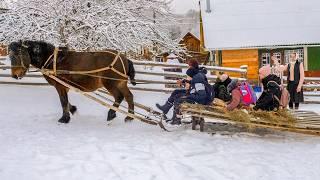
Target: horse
x=114 y=78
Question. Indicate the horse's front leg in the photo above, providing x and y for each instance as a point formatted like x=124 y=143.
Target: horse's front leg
x=63 y=95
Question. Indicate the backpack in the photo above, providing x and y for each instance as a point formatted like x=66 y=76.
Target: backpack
x=248 y=94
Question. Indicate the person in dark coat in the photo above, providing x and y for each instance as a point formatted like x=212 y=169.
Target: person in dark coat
x=220 y=88
x=198 y=94
x=295 y=81
x=176 y=94
x=270 y=97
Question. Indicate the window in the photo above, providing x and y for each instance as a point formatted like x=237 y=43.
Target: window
x=300 y=54
x=265 y=59
x=277 y=55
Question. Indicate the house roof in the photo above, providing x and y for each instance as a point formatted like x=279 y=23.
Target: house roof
x=189 y=34
x=235 y=24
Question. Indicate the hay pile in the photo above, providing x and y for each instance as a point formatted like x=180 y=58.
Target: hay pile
x=275 y=118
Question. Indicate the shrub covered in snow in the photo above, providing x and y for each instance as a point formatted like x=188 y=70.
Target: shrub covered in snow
x=90 y=24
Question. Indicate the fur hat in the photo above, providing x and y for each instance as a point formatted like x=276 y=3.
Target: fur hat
x=223 y=77
x=232 y=85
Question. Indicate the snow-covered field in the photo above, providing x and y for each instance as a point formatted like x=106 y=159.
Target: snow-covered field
x=35 y=147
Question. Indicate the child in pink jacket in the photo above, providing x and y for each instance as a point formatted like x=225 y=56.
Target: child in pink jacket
x=234 y=88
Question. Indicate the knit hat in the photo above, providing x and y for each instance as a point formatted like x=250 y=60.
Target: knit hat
x=264 y=71
x=223 y=77
x=191 y=72
x=232 y=85
x=194 y=64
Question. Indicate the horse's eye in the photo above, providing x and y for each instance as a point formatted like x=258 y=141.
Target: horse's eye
x=36 y=50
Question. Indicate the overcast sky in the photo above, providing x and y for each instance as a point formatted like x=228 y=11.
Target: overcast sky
x=182 y=6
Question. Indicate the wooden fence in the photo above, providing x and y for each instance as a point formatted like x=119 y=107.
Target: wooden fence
x=159 y=75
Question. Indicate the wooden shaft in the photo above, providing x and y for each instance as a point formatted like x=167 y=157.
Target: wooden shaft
x=153 y=122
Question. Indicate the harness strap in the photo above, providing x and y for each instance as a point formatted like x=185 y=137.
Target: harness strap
x=55 y=55
x=110 y=67
x=47 y=62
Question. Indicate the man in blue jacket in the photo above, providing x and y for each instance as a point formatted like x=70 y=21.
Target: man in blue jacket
x=197 y=91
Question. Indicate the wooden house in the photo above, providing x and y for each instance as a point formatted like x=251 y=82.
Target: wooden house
x=193 y=45
x=242 y=32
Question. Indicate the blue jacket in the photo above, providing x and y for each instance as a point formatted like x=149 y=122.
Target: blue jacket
x=198 y=91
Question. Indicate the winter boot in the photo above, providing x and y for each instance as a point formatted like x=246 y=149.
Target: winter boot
x=176 y=118
x=165 y=108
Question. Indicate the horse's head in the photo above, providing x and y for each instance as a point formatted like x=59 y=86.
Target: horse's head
x=20 y=59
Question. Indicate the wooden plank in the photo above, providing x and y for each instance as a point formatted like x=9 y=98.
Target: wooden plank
x=300 y=127
x=88 y=95
x=309 y=131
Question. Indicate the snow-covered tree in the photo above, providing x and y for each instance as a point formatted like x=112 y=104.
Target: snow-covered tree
x=90 y=24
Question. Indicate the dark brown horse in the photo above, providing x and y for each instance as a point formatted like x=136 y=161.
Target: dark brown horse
x=40 y=55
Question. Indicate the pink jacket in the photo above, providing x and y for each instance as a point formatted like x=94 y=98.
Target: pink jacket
x=236 y=99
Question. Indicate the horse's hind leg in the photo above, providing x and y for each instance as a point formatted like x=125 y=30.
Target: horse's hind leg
x=63 y=95
x=123 y=87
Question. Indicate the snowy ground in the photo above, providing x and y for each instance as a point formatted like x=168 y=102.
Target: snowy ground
x=35 y=147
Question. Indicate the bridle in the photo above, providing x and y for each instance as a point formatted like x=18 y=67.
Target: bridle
x=20 y=58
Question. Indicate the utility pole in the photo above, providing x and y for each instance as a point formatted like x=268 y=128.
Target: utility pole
x=154 y=43
x=201 y=31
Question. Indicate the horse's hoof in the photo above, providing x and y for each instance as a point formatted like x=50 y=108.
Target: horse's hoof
x=64 y=119
x=111 y=115
x=128 y=119
x=73 y=109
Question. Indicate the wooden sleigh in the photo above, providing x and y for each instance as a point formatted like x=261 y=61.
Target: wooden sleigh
x=305 y=122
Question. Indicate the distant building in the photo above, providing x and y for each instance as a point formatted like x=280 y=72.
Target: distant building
x=242 y=32
x=193 y=46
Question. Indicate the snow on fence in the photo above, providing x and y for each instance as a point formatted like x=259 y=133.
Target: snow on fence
x=242 y=70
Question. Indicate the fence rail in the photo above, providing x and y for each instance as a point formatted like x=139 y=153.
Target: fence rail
x=241 y=70
x=211 y=78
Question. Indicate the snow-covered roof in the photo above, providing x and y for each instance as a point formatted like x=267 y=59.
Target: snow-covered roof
x=234 y=24
x=191 y=34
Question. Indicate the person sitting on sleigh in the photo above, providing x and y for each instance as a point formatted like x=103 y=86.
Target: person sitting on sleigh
x=271 y=95
x=242 y=95
x=196 y=90
x=220 y=87
x=234 y=89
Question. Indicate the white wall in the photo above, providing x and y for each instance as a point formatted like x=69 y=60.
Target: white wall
x=243 y=23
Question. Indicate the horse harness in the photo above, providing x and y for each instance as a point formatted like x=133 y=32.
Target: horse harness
x=56 y=72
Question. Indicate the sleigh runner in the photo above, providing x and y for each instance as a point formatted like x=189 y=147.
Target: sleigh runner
x=305 y=122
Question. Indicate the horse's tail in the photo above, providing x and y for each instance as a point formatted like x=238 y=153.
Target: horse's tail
x=131 y=73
